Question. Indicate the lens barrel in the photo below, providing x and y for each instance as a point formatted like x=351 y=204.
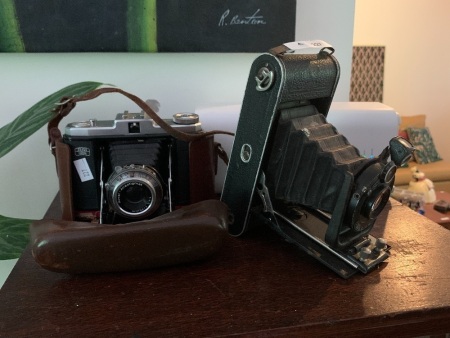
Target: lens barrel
x=134 y=191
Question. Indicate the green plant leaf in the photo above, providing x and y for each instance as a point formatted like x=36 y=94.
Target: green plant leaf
x=14 y=236
x=10 y=36
x=38 y=115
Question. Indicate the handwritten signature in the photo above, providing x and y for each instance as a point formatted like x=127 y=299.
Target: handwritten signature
x=253 y=19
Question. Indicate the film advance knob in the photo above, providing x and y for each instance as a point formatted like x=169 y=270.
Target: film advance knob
x=185 y=118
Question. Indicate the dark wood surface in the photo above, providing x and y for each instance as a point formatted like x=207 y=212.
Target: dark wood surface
x=255 y=286
x=436 y=216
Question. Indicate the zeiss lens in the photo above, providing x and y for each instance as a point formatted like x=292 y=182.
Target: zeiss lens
x=134 y=191
x=134 y=197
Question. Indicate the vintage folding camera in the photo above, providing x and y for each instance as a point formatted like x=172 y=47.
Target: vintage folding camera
x=292 y=169
x=130 y=169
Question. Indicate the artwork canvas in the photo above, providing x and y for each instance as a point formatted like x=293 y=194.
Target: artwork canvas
x=145 y=25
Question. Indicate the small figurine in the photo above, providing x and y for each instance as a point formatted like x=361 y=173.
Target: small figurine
x=421 y=184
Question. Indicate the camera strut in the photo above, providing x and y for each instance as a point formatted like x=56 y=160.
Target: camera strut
x=306 y=229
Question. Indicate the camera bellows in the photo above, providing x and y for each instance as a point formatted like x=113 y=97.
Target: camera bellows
x=309 y=159
x=146 y=152
x=291 y=169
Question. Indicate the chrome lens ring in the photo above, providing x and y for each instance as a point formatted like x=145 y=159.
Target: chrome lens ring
x=134 y=191
x=376 y=202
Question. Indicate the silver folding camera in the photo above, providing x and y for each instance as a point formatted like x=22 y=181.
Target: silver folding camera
x=130 y=169
x=292 y=169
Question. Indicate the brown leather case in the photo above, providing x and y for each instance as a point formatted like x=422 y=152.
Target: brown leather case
x=202 y=170
x=202 y=167
x=64 y=169
x=190 y=233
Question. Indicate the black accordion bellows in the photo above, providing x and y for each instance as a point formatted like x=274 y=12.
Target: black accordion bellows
x=309 y=159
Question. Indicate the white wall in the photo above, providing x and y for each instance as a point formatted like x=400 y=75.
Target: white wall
x=417 y=67
x=179 y=81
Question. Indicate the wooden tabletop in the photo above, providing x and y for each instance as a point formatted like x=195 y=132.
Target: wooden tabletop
x=257 y=285
x=436 y=216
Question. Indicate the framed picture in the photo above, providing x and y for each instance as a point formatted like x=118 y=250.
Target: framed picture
x=145 y=25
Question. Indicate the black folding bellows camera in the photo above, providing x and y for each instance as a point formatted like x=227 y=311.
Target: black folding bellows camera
x=292 y=169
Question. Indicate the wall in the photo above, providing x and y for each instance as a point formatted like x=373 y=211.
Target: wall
x=179 y=81
x=417 y=70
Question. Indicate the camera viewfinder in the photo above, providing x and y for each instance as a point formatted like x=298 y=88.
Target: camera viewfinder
x=134 y=128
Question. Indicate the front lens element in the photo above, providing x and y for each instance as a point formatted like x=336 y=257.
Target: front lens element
x=134 y=197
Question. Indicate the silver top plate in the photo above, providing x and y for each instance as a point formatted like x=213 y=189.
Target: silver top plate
x=125 y=124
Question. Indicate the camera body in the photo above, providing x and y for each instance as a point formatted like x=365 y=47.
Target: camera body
x=293 y=170
x=130 y=169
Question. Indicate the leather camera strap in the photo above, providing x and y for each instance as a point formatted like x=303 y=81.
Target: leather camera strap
x=67 y=104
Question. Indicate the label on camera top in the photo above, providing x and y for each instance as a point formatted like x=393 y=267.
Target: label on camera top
x=297 y=45
x=84 y=172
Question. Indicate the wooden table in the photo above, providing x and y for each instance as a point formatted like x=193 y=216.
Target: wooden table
x=255 y=286
x=436 y=216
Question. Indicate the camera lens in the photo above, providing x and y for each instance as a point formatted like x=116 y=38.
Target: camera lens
x=134 y=191
x=375 y=203
x=134 y=197
x=366 y=209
